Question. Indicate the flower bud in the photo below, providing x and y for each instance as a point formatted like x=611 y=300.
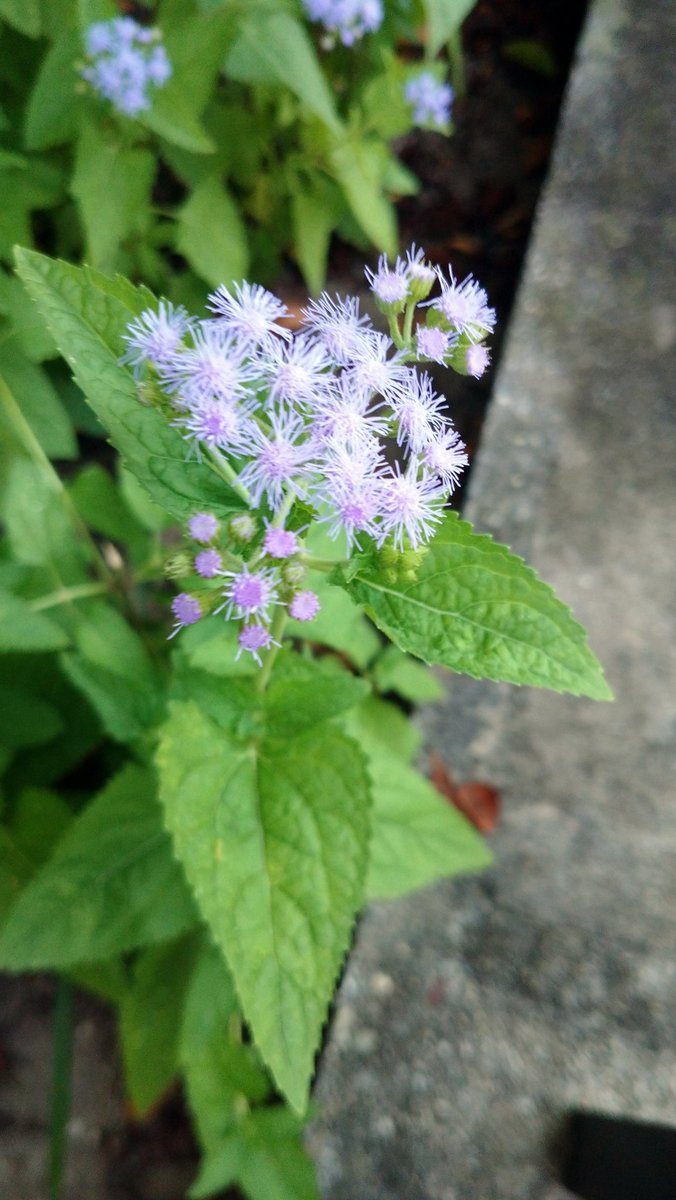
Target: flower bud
x=178 y=566
x=242 y=528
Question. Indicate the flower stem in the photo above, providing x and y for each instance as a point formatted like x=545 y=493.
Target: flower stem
x=321 y=564
x=222 y=467
x=276 y=631
x=66 y=594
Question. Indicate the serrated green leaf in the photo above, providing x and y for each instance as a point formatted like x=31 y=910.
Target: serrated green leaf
x=418 y=836
x=151 y=1013
x=395 y=671
x=111 y=183
x=273 y=839
x=265 y=1156
x=212 y=235
x=220 y=1070
x=444 y=18
x=54 y=106
x=87 y=315
x=278 y=49
x=111 y=885
x=479 y=609
x=21 y=629
x=27 y=327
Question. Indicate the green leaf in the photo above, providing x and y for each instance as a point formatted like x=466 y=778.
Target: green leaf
x=305 y=692
x=357 y=167
x=379 y=726
x=27 y=327
x=444 y=18
x=39 y=528
x=24 y=15
x=265 y=1156
x=417 y=835
x=111 y=885
x=87 y=315
x=26 y=720
x=316 y=208
x=111 y=183
x=277 y=48
x=398 y=672
x=171 y=117
x=111 y=667
x=338 y=625
x=99 y=502
x=273 y=839
x=151 y=1013
x=480 y=610
x=21 y=629
x=220 y=1071
x=54 y=106
x=211 y=234
x=39 y=818
x=38 y=402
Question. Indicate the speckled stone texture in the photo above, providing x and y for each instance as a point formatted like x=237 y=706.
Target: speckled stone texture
x=476 y=1014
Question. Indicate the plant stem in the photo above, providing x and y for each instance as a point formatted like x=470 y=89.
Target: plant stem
x=408 y=323
x=321 y=564
x=61 y=1085
x=222 y=467
x=395 y=332
x=457 y=62
x=276 y=631
x=66 y=594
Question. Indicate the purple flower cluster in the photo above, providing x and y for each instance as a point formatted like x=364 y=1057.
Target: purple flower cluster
x=125 y=60
x=431 y=100
x=338 y=415
x=347 y=20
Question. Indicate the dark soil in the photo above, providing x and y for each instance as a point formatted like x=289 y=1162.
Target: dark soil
x=474 y=212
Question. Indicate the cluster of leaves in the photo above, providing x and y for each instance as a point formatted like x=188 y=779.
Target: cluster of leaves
x=187 y=845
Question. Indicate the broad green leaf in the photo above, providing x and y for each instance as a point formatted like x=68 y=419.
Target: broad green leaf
x=356 y=166
x=444 y=18
x=111 y=885
x=479 y=609
x=39 y=818
x=417 y=835
x=54 y=106
x=211 y=234
x=24 y=15
x=273 y=839
x=222 y=1074
x=112 y=668
x=39 y=404
x=277 y=48
x=395 y=671
x=87 y=315
x=151 y=1013
x=381 y=727
x=22 y=629
x=265 y=1156
x=305 y=692
x=111 y=183
x=171 y=117
x=15 y=871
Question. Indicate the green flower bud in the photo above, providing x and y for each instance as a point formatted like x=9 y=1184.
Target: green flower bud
x=242 y=528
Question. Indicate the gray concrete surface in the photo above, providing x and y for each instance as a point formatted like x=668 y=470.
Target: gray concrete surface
x=476 y=1014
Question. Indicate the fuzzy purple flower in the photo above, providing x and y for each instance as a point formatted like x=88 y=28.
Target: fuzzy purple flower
x=432 y=343
x=249 y=593
x=389 y=284
x=155 y=337
x=477 y=358
x=348 y=20
x=279 y=459
x=446 y=457
x=213 y=368
x=297 y=371
x=203 y=527
x=339 y=325
x=411 y=506
x=280 y=543
x=254 y=638
x=431 y=100
x=250 y=312
x=464 y=305
x=186 y=609
x=419 y=413
x=208 y=563
x=125 y=60
x=304 y=606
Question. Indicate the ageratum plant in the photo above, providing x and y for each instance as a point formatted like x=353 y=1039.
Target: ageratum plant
x=230 y=686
